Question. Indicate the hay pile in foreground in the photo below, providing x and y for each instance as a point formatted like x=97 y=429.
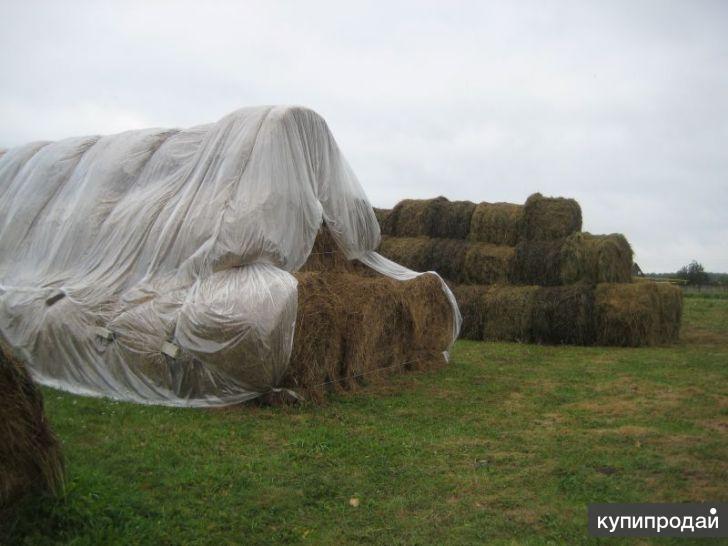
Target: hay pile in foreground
x=623 y=314
x=30 y=454
x=355 y=326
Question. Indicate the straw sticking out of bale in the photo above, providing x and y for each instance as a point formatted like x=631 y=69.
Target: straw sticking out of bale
x=636 y=314
x=437 y=217
x=352 y=329
x=546 y=218
x=596 y=258
x=496 y=223
x=30 y=455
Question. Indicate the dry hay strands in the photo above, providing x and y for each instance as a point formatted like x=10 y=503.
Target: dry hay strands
x=353 y=329
x=637 y=314
x=596 y=258
x=437 y=217
x=382 y=215
x=497 y=223
x=538 y=262
x=30 y=454
x=546 y=218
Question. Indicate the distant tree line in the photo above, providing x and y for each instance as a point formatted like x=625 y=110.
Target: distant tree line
x=694 y=274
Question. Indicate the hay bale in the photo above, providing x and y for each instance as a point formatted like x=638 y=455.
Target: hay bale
x=508 y=313
x=637 y=314
x=352 y=329
x=671 y=305
x=538 y=262
x=471 y=302
x=30 y=454
x=496 y=223
x=326 y=255
x=445 y=256
x=563 y=314
x=487 y=263
x=456 y=260
x=382 y=215
x=437 y=217
x=596 y=258
x=546 y=218
x=411 y=252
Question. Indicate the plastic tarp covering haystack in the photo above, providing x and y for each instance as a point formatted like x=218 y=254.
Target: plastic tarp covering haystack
x=155 y=265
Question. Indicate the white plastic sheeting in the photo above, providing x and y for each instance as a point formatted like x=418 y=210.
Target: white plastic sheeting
x=119 y=251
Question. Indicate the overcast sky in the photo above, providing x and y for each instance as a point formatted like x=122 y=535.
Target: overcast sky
x=622 y=105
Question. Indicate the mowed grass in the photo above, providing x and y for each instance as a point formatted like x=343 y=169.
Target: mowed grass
x=506 y=445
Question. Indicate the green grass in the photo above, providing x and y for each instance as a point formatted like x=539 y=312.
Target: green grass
x=506 y=445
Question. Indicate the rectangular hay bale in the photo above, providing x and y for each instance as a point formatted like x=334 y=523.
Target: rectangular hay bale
x=637 y=314
x=596 y=258
x=353 y=329
x=546 y=218
x=496 y=223
x=439 y=218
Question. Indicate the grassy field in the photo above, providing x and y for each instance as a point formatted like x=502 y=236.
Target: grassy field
x=506 y=445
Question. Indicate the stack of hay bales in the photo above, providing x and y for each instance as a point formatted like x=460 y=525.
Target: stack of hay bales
x=528 y=273
x=30 y=455
x=355 y=326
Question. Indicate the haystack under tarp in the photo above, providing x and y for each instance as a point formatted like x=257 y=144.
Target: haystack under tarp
x=157 y=265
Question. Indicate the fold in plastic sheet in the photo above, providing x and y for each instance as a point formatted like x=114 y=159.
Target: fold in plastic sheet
x=154 y=265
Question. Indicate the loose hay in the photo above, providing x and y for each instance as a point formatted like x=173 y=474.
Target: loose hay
x=546 y=218
x=30 y=454
x=437 y=217
x=353 y=329
x=497 y=223
x=596 y=258
x=636 y=314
